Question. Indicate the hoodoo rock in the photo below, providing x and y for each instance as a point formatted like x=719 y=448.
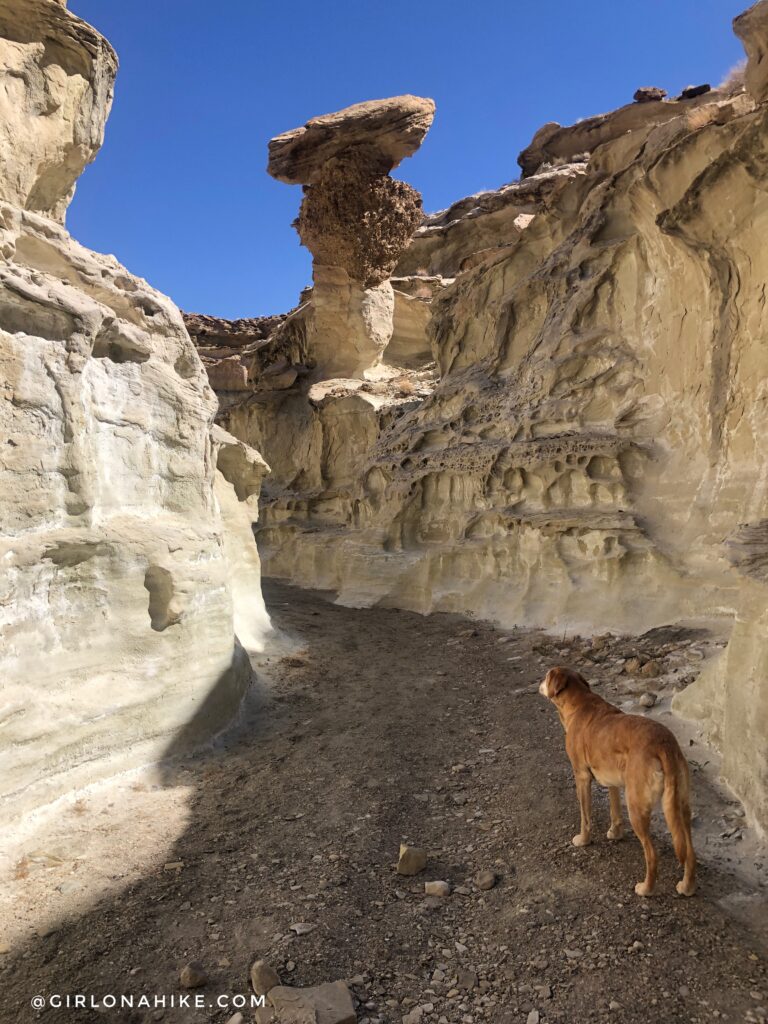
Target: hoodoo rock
x=355 y=220
x=126 y=524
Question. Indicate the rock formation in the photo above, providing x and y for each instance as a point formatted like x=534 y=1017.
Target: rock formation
x=126 y=524
x=591 y=456
x=355 y=220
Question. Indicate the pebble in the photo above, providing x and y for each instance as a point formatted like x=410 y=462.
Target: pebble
x=485 y=880
x=193 y=975
x=533 y=1017
x=263 y=977
x=437 y=888
x=302 y=928
x=466 y=979
x=411 y=861
x=651 y=670
x=238 y=1018
x=647 y=700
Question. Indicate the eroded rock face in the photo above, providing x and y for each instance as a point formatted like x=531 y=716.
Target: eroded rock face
x=117 y=626
x=356 y=221
x=752 y=29
x=591 y=457
x=57 y=74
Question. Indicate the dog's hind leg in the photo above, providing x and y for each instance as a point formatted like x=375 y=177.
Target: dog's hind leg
x=677 y=811
x=640 y=816
x=584 y=793
x=616 y=831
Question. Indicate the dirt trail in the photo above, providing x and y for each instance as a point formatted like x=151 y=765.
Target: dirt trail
x=382 y=727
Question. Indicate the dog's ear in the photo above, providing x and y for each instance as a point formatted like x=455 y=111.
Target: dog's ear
x=558 y=678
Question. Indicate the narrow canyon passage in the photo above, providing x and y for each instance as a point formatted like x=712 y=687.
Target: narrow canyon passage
x=384 y=726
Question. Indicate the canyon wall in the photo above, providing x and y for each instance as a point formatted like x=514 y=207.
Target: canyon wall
x=568 y=432
x=126 y=517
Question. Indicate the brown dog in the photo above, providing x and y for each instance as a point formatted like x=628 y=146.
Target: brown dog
x=626 y=751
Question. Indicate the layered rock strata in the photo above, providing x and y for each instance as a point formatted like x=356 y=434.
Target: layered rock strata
x=118 y=505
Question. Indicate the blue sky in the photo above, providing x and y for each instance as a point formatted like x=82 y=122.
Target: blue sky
x=179 y=192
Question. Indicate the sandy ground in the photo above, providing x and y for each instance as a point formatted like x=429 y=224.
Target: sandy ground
x=368 y=728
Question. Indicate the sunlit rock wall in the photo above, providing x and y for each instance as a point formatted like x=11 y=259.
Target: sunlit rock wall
x=117 y=571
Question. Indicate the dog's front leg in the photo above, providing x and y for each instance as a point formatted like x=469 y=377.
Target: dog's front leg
x=584 y=793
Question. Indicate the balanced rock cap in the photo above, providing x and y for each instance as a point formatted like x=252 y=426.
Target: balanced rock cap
x=390 y=129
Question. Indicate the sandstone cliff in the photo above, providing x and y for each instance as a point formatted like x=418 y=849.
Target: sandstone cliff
x=123 y=538
x=590 y=457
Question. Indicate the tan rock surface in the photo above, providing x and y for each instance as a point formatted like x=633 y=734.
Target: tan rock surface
x=752 y=29
x=330 y=1003
x=53 y=105
x=597 y=429
x=117 y=631
x=389 y=130
x=356 y=221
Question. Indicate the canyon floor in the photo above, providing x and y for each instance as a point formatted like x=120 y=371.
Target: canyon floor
x=376 y=727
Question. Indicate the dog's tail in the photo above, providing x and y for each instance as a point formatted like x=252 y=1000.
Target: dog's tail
x=677 y=810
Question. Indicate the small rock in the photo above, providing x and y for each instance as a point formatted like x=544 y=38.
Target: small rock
x=330 y=1003
x=650 y=670
x=647 y=700
x=302 y=928
x=238 y=1018
x=485 y=880
x=466 y=979
x=411 y=861
x=649 y=94
x=690 y=92
x=613 y=1005
x=437 y=888
x=684 y=991
x=632 y=665
x=263 y=977
x=573 y=954
x=533 y=1017
x=193 y=975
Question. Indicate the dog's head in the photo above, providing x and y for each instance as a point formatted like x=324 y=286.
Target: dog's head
x=559 y=680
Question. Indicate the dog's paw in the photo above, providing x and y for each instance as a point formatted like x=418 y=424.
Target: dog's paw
x=685 y=890
x=615 y=832
x=580 y=840
x=641 y=889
